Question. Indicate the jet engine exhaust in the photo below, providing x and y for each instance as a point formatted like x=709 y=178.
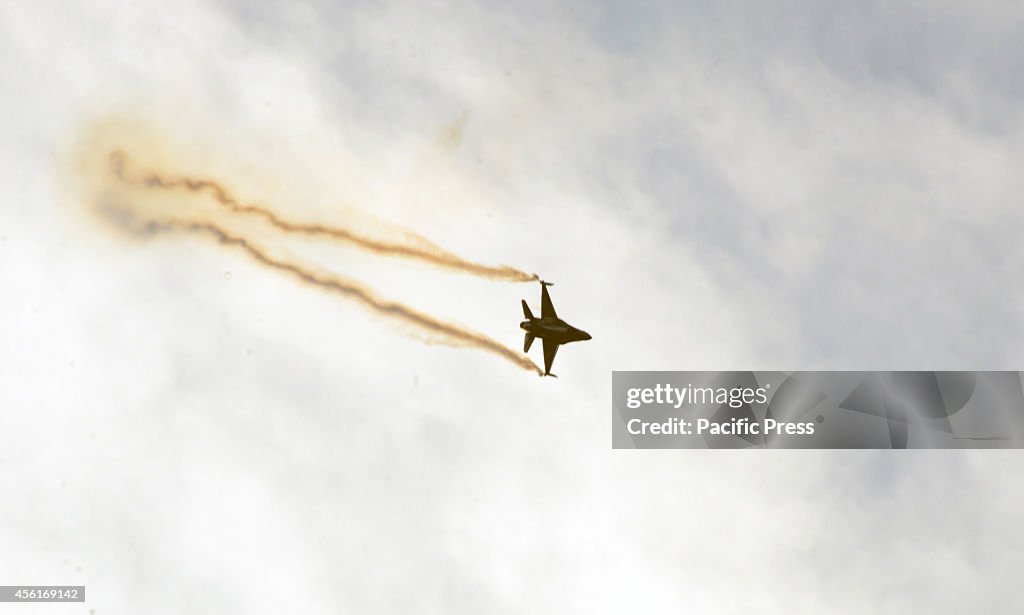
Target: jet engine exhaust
x=451 y=333
x=425 y=252
x=124 y=174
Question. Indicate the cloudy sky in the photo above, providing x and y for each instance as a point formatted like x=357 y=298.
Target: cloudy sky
x=750 y=187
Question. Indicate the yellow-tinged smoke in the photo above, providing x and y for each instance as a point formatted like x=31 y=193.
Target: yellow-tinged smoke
x=424 y=251
x=185 y=214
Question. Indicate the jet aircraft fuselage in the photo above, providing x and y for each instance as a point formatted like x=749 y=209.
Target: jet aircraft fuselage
x=554 y=329
x=551 y=329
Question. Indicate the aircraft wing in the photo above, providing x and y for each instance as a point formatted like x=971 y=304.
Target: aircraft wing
x=547 y=309
x=550 y=348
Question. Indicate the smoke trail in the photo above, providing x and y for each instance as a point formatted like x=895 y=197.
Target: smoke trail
x=427 y=252
x=451 y=332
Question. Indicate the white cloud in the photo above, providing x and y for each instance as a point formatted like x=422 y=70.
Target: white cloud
x=709 y=188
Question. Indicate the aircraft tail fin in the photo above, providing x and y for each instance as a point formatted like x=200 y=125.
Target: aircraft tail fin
x=527 y=342
x=526 y=310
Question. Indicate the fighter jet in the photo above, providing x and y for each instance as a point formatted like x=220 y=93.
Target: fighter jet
x=549 y=327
